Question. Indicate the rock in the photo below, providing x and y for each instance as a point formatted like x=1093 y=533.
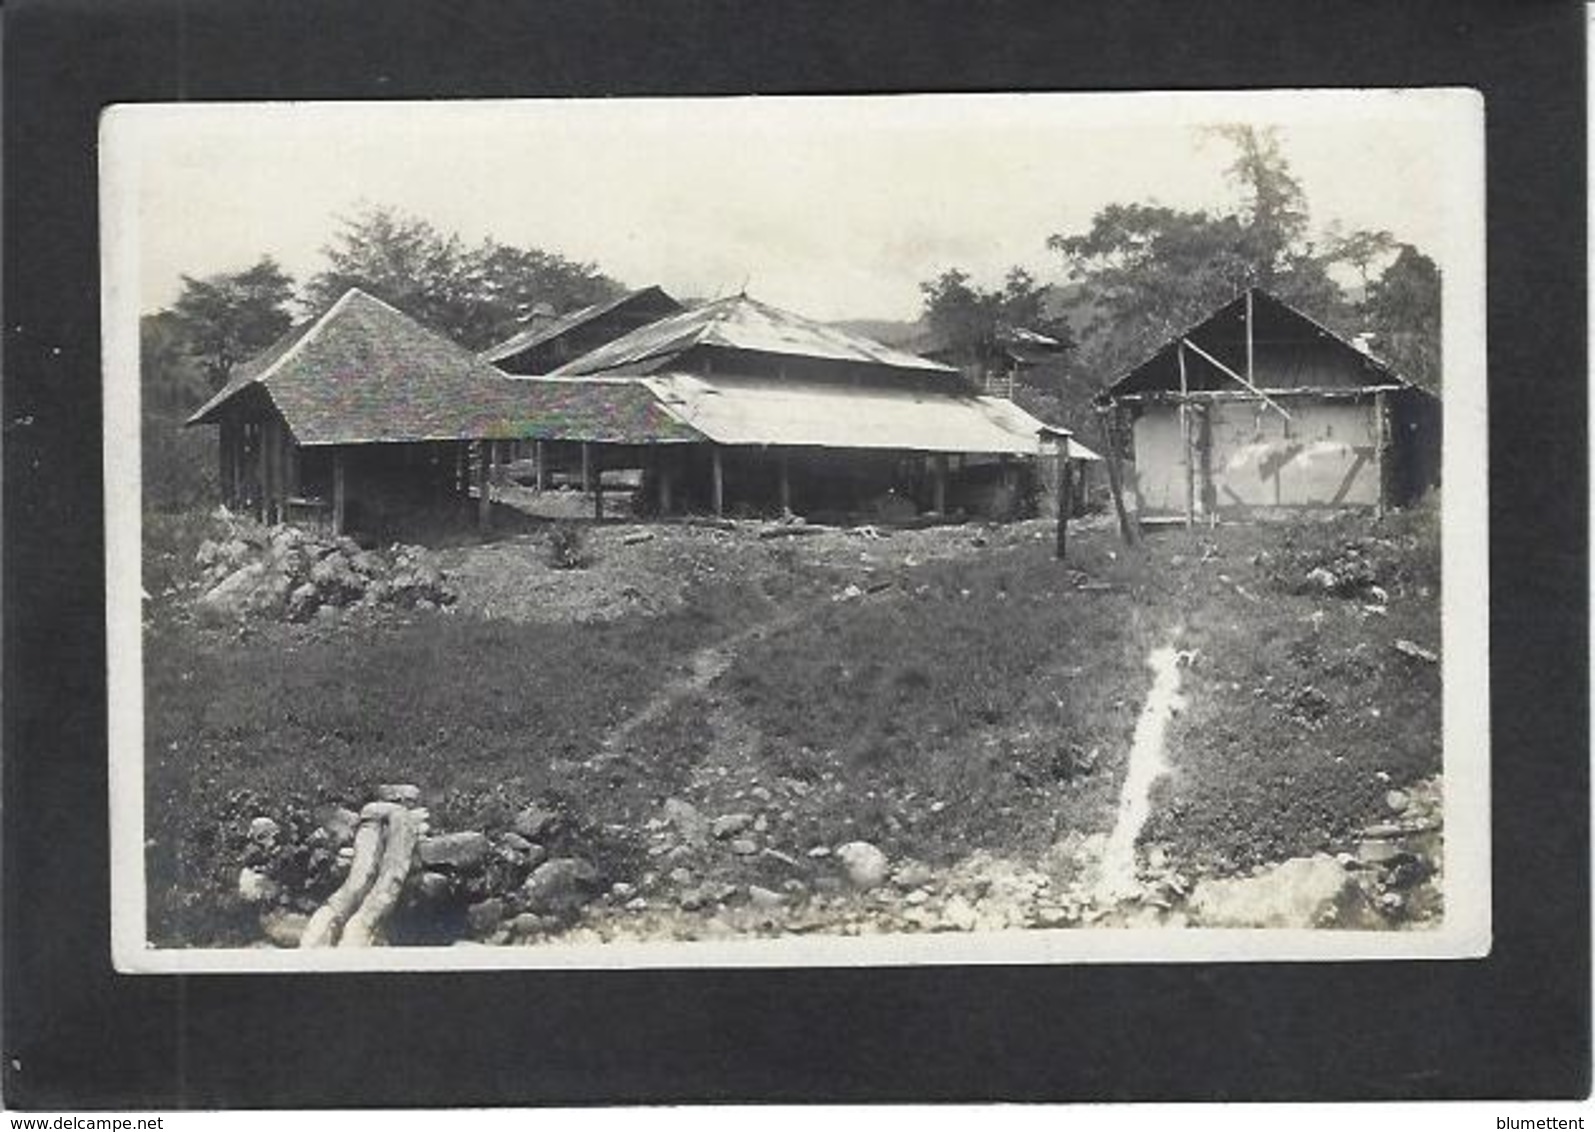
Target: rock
x=762 y=793
x=525 y=924
x=744 y=847
x=1304 y=892
x=764 y=898
x=959 y=915
x=534 y=822
x=729 y=825
x=263 y=829
x=1157 y=858
x=485 y=916
x=917 y=897
x=516 y=842
x=637 y=904
x=284 y=928
x=230 y=597
x=913 y=874
x=1378 y=852
x=560 y=886
x=1396 y=801
x=687 y=821
x=302 y=601
x=622 y=891
x=406 y=794
x=339 y=822
x=1416 y=651
x=864 y=864
x=638 y=537
x=460 y=851
x=819 y=852
x=432 y=886
x=255 y=887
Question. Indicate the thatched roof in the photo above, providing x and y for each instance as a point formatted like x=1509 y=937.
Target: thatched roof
x=742 y=324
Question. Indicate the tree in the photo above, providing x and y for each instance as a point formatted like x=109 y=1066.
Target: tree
x=1402 y=309
x=475 y=295
x=225 y=319
x=973 y=319
x=1148 y=271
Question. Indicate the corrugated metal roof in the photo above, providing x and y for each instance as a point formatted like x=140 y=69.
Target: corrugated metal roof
x=838 y=416
x=741 y=323
x=537 y=335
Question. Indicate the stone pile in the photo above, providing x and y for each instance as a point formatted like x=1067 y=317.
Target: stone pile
x=288 y=573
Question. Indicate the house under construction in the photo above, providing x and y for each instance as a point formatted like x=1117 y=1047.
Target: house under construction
x=1259 y=408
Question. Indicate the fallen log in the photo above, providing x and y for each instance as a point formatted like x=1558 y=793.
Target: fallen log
x=322 y=930
x=793 y=530
x=398 y=853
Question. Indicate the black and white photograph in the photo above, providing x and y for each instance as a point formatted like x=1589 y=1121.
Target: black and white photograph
x=796 y=530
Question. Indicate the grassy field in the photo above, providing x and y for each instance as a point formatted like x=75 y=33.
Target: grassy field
x=980 y=699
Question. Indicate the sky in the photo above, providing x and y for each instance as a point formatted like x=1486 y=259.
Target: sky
x=834 y=207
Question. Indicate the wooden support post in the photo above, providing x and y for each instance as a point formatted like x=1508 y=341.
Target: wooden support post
x=1380 y=431
x=484 y=485
x=1065 y=496
x=719 y=483
x=939 y=483
x=666 y=504
x=1185 y=441
x=224 y=460
x=587 y=467
x=598 y=490
x=340 y=504
x=540 y=458
x=1251 y=377
x=1110 y=448
x=263 y=448
x=786 y=483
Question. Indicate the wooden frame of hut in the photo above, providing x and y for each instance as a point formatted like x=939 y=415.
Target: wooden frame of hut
x=1259 y=409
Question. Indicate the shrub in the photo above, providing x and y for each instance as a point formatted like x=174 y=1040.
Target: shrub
x=567 y=547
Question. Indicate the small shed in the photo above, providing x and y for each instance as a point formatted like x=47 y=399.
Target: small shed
x=1259 y=408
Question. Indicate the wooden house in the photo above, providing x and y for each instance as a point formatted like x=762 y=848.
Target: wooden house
x=1258 y=408
x=364 y=418
x=802 y=417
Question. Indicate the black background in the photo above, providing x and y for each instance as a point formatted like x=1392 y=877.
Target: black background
x=76 y=1035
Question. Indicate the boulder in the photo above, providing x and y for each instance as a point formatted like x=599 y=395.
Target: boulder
x=1304 y=892
x=339 y=822
x=744 y=846
x=458 y=851
x=432 y=887
x=729 y=825
x=535 y=822
x=485 y=916
x=405 y=794
x=255 y=887
x=284 y=928
x=264 y=830
x=863 y=864
x=560 y=886
x=686 y=820
x=764 y=898
x=302 y=601
x=230 y=597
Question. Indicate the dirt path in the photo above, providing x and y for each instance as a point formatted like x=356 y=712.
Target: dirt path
x=704 y=667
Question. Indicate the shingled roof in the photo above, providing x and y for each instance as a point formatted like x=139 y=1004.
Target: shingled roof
x=741 y=323
x=365 y=373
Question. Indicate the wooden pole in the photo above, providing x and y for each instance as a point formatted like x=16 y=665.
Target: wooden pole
x=339 y=492
x=786 y=483
x=598 y=491
x=719 y=483
x=1251 y=377
x=939 y=482
x=1064 y=496
x=1379 y=433
x=666 y=504
x=484 y=489
x=1185 y=442
x=540 y=458
x=1110 y=448
x=266 y=447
